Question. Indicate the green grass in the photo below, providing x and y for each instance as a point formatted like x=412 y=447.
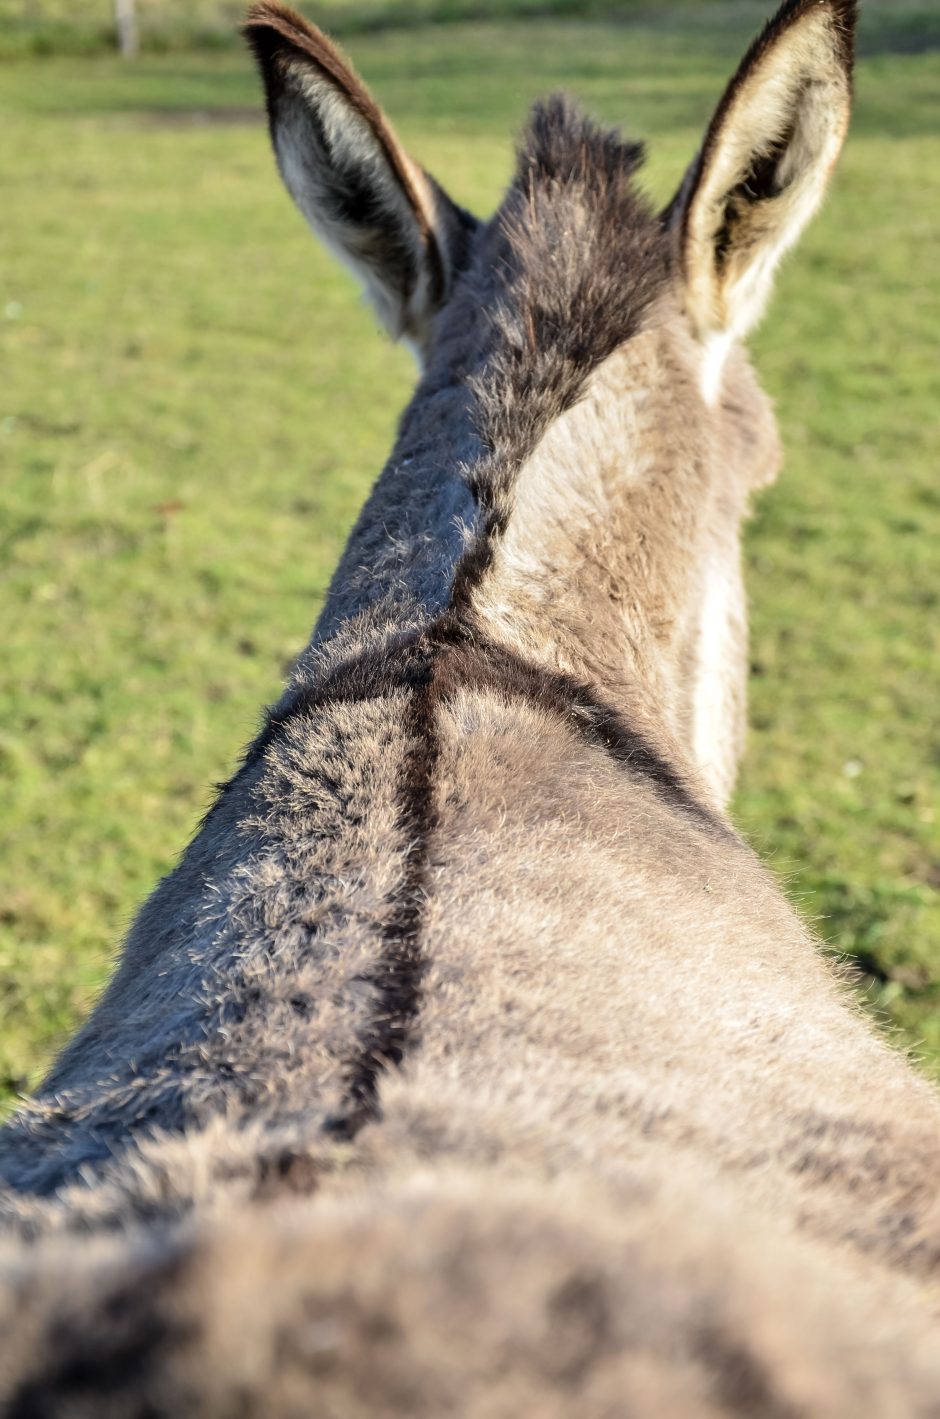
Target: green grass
x=194 y=403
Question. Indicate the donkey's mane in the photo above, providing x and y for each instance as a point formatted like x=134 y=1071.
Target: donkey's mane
x=571 y=265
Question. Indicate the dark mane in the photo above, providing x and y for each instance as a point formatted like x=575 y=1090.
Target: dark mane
x=567 y=270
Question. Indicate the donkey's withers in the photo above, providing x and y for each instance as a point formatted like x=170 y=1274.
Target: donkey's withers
x=467 y=1034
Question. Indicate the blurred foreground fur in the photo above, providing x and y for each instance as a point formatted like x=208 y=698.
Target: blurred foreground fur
x=470 y=1296
x=469 y=1062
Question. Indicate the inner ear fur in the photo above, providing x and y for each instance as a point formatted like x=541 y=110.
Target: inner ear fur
x=766 y=162
x=349 y=175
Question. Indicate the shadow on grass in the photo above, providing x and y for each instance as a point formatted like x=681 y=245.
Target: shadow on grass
x=888 y=26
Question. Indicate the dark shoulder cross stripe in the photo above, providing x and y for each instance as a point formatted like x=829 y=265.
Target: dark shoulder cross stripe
x=484 y=664
x=432 y=667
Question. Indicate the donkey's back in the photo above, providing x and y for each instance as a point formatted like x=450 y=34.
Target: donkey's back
x=469 y=1062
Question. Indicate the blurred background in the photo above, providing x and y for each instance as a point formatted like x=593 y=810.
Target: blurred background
x=194 y=402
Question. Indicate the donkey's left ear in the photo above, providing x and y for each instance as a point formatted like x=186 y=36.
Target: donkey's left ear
x=765 y=163
x=378 y=211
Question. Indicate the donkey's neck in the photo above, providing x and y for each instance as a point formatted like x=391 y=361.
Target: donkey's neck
x=541 y=308
x=608 y=528
x=398 y=569
x=575 y=540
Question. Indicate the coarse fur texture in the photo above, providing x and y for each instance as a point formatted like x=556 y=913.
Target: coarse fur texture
x=380 y=213
x=467 y=1035
x=763 y=169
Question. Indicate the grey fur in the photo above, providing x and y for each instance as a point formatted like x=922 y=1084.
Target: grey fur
x=467 y=1034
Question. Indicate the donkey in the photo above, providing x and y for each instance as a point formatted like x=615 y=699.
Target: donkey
x=469 y=1062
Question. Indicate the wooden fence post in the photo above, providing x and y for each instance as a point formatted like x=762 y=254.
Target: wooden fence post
x=126 y=21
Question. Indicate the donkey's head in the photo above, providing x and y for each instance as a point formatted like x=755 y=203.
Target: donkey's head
x=595 y=345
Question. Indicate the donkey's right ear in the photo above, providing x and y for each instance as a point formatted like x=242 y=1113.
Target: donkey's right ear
x=342 y=164
x=765 y=163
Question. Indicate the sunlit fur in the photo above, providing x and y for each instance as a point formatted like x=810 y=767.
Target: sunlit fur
x=469 y=1063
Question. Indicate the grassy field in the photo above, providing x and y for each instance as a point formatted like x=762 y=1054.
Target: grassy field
x=87 y=26
x=193 y=404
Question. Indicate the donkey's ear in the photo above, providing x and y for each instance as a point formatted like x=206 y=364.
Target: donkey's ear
x=765 y=163
x=342 y=164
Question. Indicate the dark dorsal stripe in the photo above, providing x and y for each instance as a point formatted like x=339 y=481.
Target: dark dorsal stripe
x=401 y=965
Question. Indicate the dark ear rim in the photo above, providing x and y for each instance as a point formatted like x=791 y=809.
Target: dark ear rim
x=844 y=15
x=275 y=33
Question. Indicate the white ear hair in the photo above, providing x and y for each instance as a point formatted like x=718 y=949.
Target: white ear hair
x=344 y=185
x=375 y=208
x=764 y=167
